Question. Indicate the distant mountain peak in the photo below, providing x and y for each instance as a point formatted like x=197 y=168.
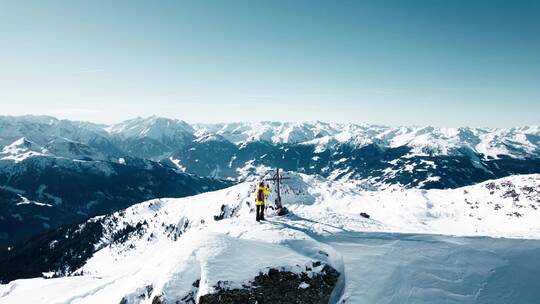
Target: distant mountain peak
x=21 y=149
x=21 y=142
x=20 y=145
x=152 y=127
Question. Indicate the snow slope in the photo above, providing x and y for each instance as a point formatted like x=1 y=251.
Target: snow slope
x=508 y=207
x=213 y=238
x=20 y=150
x=182 y=239
x=412 y=268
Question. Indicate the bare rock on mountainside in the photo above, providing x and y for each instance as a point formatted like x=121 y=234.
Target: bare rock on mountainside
x=280 y=287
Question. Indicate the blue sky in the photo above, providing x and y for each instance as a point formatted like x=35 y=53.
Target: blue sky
x=442 y=63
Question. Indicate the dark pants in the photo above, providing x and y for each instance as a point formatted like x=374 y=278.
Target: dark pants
x=260 y=213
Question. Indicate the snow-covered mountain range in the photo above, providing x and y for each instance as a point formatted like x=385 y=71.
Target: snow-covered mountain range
x=513 y=142
x=425 y=157
x=361 y=197
x=81 y=169
x=169 y=134
x=64 y=182
x=208 y=249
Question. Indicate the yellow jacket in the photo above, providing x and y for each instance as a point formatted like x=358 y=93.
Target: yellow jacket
x=265 y=190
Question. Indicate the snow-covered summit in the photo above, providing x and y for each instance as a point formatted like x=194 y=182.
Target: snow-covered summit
x=21 y=149
x=183 y=249
x=21 y=144
x=274 y=132
x=152 y=127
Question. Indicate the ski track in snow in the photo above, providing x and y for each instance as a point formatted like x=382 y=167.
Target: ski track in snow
x=392 y=257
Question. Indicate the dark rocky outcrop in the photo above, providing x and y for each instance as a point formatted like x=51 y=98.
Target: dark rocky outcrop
x=278 y=286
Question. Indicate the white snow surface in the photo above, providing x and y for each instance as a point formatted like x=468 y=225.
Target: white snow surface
x=183 y=241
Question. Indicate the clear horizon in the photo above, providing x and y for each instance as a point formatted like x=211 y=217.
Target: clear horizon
x=396 y=63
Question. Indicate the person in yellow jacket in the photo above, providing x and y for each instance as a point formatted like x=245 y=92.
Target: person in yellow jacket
x=260 y=199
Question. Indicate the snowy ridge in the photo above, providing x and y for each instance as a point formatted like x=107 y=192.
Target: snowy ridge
x=41 y=129
x=187 y=242
x=20 y=150
x=166 y=134
x=491 y=142
x=212 y=237
x=23 y=148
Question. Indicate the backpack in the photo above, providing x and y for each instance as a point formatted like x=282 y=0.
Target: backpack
x=260 y=195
